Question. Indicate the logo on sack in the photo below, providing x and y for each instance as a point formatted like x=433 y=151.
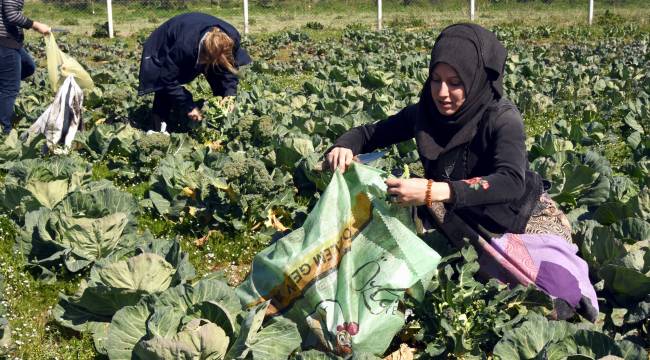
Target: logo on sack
x=328 y=332
x=321 y=262
x=344 y=334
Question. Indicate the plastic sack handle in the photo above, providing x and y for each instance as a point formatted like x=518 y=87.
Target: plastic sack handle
x=60 y=66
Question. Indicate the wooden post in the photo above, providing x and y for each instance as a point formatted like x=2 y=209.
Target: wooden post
x=591 y=11
x=245 y=17
x=109 y=10
x=379 y=15
x=471 y=10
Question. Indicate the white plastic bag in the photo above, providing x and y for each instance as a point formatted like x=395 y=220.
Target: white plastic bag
x=61 y=120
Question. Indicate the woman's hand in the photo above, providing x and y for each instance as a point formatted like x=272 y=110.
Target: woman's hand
x=412 y=192
x=339 y=158
x=195 y=115
x=41 y=28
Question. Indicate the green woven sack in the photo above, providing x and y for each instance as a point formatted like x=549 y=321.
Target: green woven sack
x=340 y=277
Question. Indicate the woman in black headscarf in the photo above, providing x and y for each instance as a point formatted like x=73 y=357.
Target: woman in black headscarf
x=477 y=184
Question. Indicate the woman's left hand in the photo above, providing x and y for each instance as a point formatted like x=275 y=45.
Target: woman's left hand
x=412 y=192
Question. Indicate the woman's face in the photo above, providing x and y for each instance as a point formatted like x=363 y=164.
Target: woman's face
x=447 y=89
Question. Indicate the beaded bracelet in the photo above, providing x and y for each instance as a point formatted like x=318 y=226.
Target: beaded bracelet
x=427 y=195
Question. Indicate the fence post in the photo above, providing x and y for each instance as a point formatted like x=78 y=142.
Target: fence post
x=379 y=15
x=109 y=10
x=591 y=11
x=245 y=17
x=472 y=4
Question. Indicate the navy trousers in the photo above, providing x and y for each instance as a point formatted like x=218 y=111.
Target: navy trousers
x=15 y=65
x=163 y=104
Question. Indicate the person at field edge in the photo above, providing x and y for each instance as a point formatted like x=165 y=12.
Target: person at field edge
x=477 y=185
x=15 y=63
x=177 y=52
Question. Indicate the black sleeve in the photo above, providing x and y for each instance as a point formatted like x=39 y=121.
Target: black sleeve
x=222 y=83
x=241 y=56
x=366 y=138
x=506 y=182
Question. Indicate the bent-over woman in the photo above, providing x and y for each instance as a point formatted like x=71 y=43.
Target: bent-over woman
x=181 y=49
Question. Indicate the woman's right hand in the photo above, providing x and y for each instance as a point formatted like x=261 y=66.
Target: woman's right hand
x=340 y=158
x=41 y=28
x=195 y=114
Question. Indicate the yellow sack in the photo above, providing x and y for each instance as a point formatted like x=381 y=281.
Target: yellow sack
x=61 y=65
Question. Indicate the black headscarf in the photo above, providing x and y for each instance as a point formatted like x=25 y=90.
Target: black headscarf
x=479 y=59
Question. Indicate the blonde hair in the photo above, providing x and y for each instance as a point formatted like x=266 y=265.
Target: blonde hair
x=217 y=49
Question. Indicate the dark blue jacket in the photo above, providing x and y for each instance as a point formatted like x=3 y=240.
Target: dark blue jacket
x=169 y=58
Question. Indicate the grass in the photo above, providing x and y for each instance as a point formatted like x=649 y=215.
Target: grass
x=291 y=82
x=336 y=14
x=214 y=251
x=34 y=333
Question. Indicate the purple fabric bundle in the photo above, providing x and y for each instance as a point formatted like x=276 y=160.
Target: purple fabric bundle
x=545 y=260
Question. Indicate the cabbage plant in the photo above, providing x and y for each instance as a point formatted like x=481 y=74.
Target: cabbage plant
x=200 y=321
x=539 y=338
x=32 y=183
x=94 y=222
x=116 y=283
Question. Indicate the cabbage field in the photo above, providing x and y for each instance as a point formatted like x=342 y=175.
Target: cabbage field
x=130 y=246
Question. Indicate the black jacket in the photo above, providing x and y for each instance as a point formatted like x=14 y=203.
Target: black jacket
x=170 y=54
x=489 y=177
